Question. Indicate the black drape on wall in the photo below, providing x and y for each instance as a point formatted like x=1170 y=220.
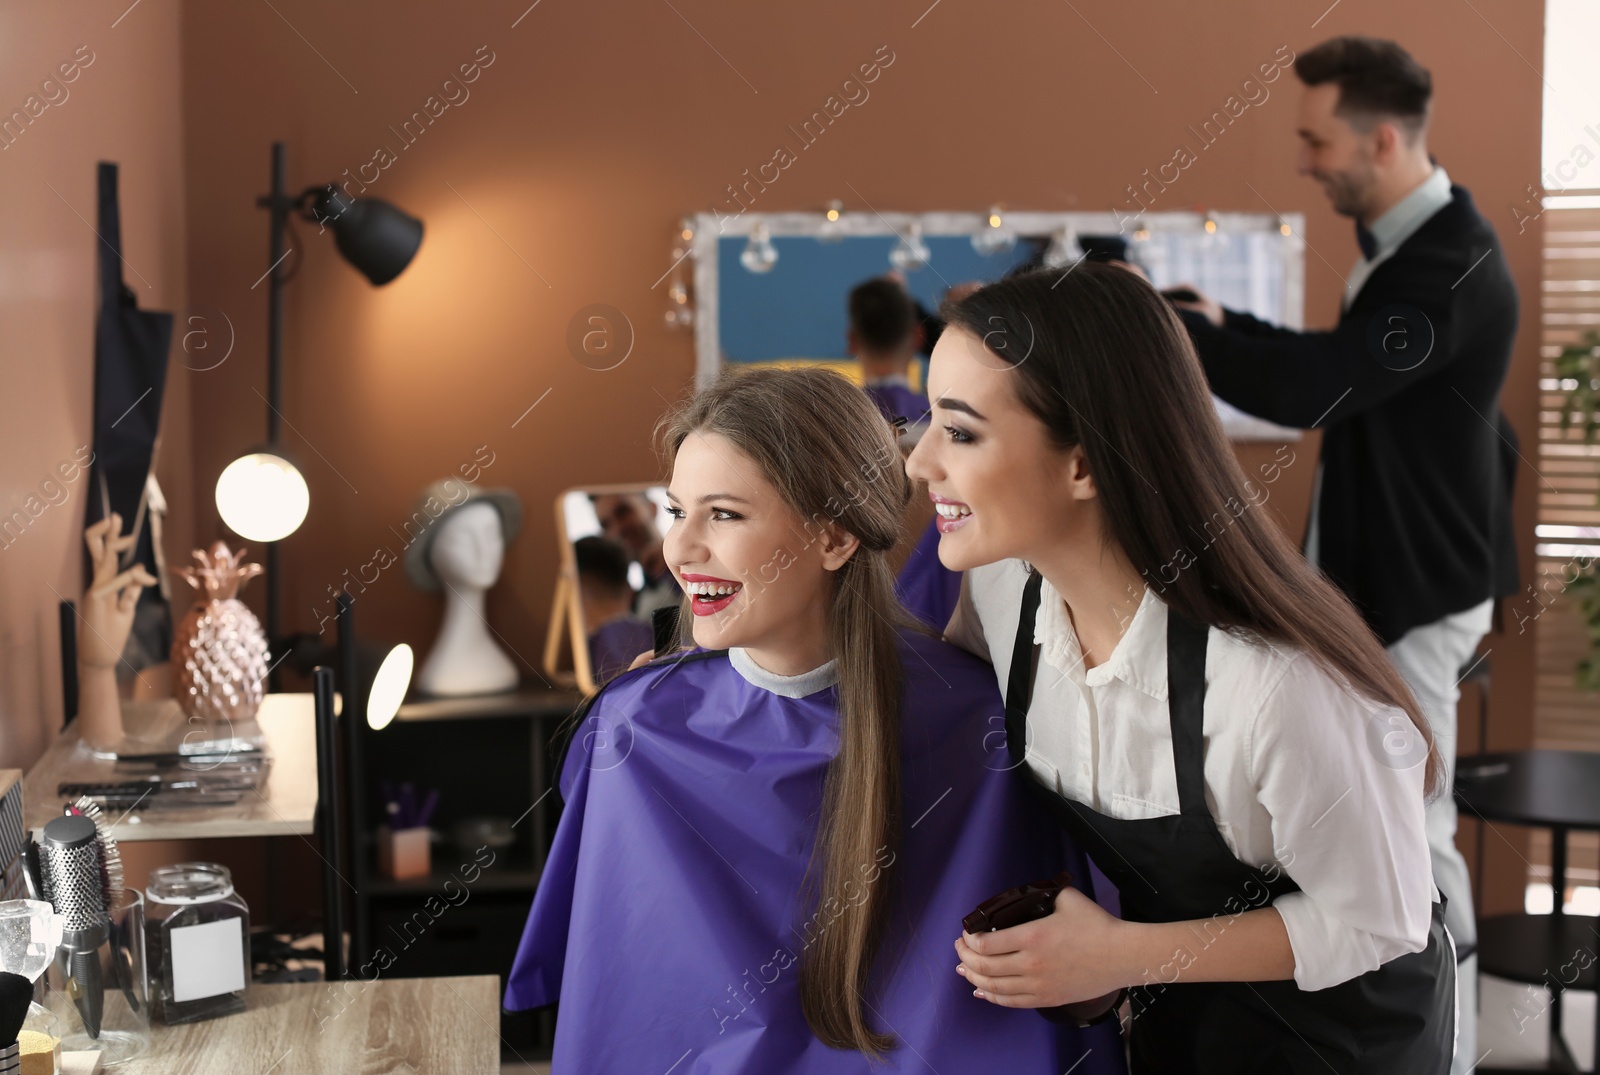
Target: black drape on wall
x=130 y=374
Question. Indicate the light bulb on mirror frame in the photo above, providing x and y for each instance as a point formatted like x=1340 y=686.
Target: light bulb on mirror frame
x=994 y=237
x=679 y=315
x=262 y=496
x=1063 y=248
x=910 y=253
x=832 y=229
x=759 y=255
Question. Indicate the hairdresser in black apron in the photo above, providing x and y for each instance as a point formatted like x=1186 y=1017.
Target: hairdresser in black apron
x=1084 y=485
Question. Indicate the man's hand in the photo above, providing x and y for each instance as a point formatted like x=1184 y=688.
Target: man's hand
x=1204 y=304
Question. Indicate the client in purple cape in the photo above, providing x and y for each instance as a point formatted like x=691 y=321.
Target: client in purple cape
x=769 y=839
x=885 y=335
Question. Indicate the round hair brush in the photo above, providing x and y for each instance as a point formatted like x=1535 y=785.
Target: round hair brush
x=111 y=876
x=74 y=863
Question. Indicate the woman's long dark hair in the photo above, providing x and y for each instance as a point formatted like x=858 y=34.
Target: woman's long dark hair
x=1104 y=362
x=825 y=448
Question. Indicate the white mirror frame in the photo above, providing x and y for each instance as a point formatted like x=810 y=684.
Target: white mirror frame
x=711 y=227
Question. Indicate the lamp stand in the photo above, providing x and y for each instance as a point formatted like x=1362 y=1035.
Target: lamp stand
x=278 y=205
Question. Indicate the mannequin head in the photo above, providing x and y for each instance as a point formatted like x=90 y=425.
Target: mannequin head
x=469 y=547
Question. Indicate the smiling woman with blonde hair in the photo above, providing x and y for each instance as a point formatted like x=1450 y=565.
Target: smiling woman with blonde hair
x=769 y=837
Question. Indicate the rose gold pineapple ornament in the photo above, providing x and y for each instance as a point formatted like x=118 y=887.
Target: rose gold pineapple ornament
x=219 y=651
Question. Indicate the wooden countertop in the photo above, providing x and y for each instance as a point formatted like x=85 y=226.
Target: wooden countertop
x=286 y=806
x=424 y=1026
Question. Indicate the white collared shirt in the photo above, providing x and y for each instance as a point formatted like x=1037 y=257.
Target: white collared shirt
x=1295 y=769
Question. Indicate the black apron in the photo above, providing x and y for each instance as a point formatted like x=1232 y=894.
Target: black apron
x=130 y=377
x=1397 y=1019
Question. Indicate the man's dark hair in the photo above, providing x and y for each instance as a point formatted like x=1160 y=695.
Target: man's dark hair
x=881 y=313
x=604 y=561
x=1377 y=79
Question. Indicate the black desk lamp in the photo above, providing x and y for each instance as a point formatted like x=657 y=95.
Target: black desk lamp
x=262 y=495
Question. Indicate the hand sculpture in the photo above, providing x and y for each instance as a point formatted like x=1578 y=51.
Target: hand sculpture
x=105 y=618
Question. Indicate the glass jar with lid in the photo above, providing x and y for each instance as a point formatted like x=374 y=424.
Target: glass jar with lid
x=197 y=935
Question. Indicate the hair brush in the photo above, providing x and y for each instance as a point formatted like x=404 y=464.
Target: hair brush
x=81 y=868
x=111 y=874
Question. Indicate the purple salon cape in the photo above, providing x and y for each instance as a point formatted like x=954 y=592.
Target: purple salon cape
x=896 y=399
x=668 y=921
x=926 y=587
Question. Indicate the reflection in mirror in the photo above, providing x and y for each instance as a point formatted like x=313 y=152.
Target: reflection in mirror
x=613 y=577
x=795 y=311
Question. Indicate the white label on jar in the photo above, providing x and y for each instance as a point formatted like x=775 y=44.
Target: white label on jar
x=207 y=960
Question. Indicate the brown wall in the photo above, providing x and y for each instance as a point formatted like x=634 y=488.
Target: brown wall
x=558 y=184
x=122 y=105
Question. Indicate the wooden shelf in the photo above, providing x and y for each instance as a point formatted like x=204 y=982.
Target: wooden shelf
x=524 y=703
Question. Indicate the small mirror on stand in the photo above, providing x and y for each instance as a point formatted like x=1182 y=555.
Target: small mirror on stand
x=612 y=578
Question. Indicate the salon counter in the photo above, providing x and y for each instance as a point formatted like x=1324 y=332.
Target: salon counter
x=400 y=1025
x=285 y=805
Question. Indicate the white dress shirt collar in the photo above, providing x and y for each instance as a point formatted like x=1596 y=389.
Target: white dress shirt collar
x=1138 y=659
x=1391 y=229
x=1404 y=217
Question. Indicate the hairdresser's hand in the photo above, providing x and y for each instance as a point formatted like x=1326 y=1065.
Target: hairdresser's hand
x=965 y=289
x=1205 y=305
x=643 y=658
x=1072 y=956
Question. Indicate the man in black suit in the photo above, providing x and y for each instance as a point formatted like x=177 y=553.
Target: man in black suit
x=1410 y=511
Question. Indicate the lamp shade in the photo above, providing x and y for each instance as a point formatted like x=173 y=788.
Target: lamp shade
x=374 y=236
x=262 y=496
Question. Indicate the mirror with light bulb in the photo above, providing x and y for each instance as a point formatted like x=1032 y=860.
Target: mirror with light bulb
x=774 y=288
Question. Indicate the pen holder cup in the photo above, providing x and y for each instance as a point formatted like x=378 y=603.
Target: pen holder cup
x=403 y=853
x=102 y=997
